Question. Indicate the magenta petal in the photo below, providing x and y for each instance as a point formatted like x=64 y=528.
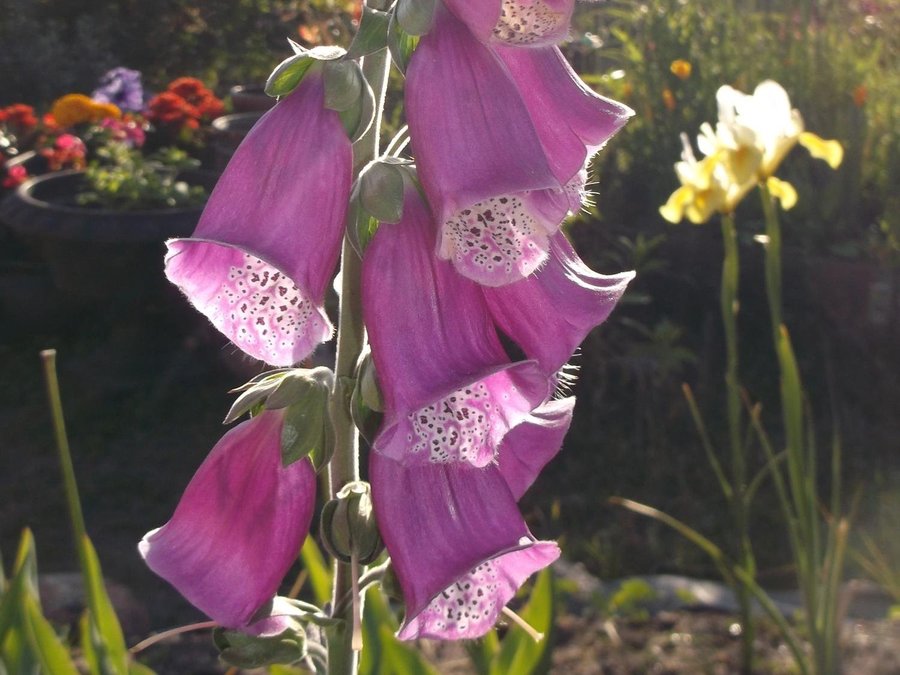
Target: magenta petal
x=527 y=448
x=571 y=120
x=458 y=543
x=564 y=301
x=481 y=16
x=261 y=258
x=238 y=527
x=450 y=392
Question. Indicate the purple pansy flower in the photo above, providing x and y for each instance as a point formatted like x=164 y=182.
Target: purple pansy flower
x=238 y=526
x=261 y=258
x=458 y=544
x=450 y=391
x=501 y=137
x=122 y=87
x=524 y=23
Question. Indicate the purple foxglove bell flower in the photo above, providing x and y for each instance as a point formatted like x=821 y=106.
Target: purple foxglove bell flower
x=458 y=544
x=551 y=312
x=121 y=87
x=238 y=527
x=572 y=121
x=450 y=391
x=501 y=138
x=528 y=448
x=261 y=258
x=523 y=23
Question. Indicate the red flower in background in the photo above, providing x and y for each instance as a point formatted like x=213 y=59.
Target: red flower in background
x=19 y=117
x=185 y=104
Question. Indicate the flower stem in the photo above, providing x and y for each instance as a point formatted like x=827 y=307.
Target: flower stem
x=729 y=309
x=344 y=465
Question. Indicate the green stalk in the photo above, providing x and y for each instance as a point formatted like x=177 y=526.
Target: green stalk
x=344 y=465
x=48 y=357
x=729 y=307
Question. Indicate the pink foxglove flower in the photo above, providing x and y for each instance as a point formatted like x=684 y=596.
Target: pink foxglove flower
x=458 y=544
x=450 y=391
x=261 y=258
x=528 y=448
x=524 y=23
x=551 y=312
x=501 y=138
x=238 y=527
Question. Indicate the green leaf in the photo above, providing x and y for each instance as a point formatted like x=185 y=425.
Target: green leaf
x=319 y=573
x=344 y=83
x=401 y=44
x=49 y=649
x=382 y=653
x=519 y=653
x=16 y=652
x=483 y=651
x=372 y=34
x=381 y=191
x=108 y=638
x=415 y=16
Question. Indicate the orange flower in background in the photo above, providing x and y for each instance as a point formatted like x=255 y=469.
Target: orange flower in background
x=860 y=95
x=74 y=109
x=668 y=99
x=681 y=69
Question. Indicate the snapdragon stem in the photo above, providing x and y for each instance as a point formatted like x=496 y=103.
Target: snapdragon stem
x=343 y=659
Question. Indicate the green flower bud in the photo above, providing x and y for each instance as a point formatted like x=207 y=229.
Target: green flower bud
x=348 y=525
x=252 y=651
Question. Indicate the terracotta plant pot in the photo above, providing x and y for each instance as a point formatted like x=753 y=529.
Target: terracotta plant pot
x=95 y=253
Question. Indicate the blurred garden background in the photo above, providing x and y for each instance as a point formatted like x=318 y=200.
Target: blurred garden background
x=145 y=381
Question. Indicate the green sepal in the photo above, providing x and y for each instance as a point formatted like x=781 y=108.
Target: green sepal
x=306 y=429
x=288 y=74
x=366 y=405
x=415 y=17
x=344 y=84
x=298 y=385
x=372 y=34
x=400 y=43
x=361 y=226
x=358 y=118
x=381 y=190
x=251 y=651
x=253 y=394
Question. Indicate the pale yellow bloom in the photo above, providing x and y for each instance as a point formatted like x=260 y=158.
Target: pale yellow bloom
x=783 y=191
x=766 y=121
